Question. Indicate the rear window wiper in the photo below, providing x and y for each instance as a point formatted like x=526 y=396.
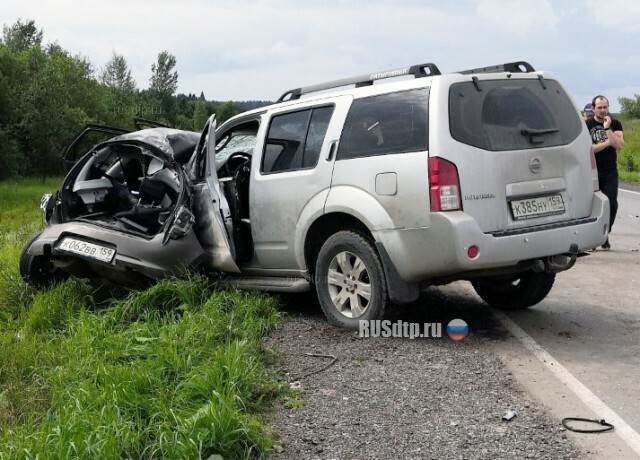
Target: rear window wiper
x=533 y=132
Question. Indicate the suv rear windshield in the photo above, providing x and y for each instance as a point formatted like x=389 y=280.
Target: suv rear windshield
x=518 y=114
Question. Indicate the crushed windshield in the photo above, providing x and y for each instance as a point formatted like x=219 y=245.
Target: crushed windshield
x=235 y=142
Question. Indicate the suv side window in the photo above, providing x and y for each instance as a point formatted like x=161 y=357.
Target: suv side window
x=386 y=124
x=512 y=115
x=295 y=139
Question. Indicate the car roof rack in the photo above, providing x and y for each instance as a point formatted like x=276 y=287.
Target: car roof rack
x=514 y=67
x=418 y=71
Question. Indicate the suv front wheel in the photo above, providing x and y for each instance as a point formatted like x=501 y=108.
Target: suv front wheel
x=515 y=292
x=350 y=281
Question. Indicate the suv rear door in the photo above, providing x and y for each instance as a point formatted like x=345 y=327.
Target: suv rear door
x=521 y=150
x=382 y=161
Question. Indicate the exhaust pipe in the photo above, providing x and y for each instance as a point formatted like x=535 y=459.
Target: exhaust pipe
x=561 y=262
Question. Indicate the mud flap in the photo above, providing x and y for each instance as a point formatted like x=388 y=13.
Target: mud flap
x=400 y=291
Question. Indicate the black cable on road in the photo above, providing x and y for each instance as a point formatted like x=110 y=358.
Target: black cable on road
x=606 y=426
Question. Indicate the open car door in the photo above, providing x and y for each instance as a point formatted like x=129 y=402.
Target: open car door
x=213 y=218
x=89 y=136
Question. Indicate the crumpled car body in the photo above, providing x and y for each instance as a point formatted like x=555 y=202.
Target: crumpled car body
x=123 y=213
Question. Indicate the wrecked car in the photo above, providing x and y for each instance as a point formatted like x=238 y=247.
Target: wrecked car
x=121 y=214
x=365 y=192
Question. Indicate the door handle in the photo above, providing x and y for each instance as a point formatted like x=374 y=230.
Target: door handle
x=332 y=150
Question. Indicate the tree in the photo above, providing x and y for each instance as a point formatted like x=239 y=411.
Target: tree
x=227 y=110
x=201 y=113
x=164 y=79
x=21 y=35
x=630 y=106
x=52 y=107
x=116 y=74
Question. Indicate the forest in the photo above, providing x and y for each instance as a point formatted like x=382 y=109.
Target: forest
x=47 y=95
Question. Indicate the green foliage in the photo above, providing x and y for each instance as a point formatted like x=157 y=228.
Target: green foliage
x=164 y=80
x=20 y=219
x=203 y=110
x=51 y=96
x=175 y=371
x=47 y=95
x=116 y=74
x=629 y=156
x=22 y=35
x=630 y=106
x=11 y=158
x=226 y=111
x=174 y=384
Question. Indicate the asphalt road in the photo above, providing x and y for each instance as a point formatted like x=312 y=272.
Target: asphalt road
x=590 y=324
x=591 y=320
x=588 y=329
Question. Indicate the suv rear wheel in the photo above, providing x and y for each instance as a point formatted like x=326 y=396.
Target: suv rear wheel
x=350 y=280
x=515 y=292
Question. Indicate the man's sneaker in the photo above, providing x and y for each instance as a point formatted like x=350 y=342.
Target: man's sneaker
x=606 y=246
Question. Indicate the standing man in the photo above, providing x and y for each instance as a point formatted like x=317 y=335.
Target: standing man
x=607 y=139
x=587 y=112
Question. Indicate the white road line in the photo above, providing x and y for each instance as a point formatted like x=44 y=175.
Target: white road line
x=628 y=434
x=628 y=191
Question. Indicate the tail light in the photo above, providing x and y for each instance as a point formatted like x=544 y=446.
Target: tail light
x=444 y=185
x=594 y=171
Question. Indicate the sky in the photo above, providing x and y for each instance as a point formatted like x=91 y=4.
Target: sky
x=257 y=50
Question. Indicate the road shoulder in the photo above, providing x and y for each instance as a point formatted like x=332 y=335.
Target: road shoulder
x=390 y=398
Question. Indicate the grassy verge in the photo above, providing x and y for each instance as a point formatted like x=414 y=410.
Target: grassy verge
x=629 y=156
x=176 y=371
x=20 y=218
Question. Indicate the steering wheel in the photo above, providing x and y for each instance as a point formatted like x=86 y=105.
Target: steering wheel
x=234 y=162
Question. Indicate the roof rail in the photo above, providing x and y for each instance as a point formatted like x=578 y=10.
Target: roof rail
x=514 y=67
x=418 y=71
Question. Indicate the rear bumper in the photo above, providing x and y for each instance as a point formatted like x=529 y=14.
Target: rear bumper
x=440 y=250
x=148 y=257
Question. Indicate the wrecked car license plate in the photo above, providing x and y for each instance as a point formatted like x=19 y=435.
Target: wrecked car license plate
x=86 y=249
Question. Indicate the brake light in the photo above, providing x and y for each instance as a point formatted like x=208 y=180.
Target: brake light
x=594 y=171
x=444 y=185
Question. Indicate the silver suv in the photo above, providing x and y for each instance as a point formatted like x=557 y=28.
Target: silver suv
x=364 y=192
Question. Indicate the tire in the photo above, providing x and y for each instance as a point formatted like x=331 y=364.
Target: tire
x=516 y=292
x=350 y=281
x=38 y=271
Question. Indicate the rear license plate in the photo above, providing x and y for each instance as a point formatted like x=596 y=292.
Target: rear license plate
x=86 y=249
x=537 y=207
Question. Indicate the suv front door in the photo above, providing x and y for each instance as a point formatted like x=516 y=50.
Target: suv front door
x=291 y=177
x=213 y=223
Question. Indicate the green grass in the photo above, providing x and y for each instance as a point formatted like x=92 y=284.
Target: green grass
x=629 y=156
x=175 y=371
x=20 y=219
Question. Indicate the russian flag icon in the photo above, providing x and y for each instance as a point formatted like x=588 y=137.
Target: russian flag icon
x=457 y=330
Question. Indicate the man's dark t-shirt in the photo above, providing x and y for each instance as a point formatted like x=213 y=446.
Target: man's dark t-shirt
x=606 y=159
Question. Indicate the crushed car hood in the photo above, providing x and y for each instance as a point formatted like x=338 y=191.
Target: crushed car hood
x=176 y=144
